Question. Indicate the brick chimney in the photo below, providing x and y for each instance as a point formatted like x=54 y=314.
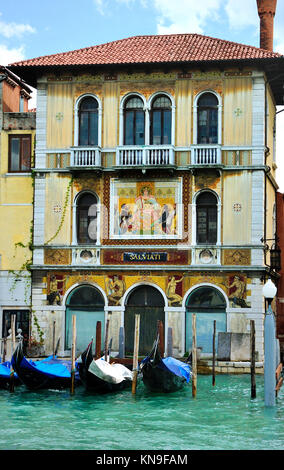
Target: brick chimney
x=266 y=13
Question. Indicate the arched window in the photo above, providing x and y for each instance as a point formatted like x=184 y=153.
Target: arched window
x=86 y=303
x=207 y=119
x=206 y=215
x=88 y=121
x=161 y=121
x=208 y=304
x=86 y=210
x=134 y=121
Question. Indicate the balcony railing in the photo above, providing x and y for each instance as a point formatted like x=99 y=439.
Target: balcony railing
x=151 y=155
x=85 y=157
x=206 y=155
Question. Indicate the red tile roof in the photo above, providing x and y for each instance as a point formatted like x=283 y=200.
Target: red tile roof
x=154 y=49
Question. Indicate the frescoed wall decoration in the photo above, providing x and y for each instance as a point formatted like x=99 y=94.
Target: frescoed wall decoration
x=55 y=289
x=146 y=209
x=115 y=288
x=237 y=291
x=174 y=290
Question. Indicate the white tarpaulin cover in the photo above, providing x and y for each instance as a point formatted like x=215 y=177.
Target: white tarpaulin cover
x=111 y=373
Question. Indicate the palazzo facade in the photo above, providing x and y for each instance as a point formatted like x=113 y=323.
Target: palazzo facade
x=154 y=189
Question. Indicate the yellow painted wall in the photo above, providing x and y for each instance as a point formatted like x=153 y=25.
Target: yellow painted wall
x=110 y=115
x=270 y=120
x=59 y=115
x=237 y=114
x=236 y=95
x=183 y=113
x=56 y=192
x=16 y=212
x=236 y=224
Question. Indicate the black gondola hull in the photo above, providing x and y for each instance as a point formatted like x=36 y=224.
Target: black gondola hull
x=93 y=383
x=159 y=380
x=35 y=379
x=157 y=377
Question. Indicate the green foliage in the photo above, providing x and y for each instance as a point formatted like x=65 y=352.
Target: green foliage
x=66 y=201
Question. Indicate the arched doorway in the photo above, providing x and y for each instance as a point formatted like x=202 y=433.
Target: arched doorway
x=149 y=303
x=87 y=303
x=208 y=304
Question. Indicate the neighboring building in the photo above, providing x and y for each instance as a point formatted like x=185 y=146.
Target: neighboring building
x=154 y=185
x=280 y=285
x=17 y=132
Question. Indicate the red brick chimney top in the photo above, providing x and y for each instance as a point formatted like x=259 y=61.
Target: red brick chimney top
x=266 y=12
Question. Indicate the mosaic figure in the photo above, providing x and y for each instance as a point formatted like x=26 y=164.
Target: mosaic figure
x=115 y=288
x=237 y=292
x=54 y=297
x=171 y=293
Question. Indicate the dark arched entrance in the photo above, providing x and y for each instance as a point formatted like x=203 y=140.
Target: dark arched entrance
x=87 y=303
x=149 y=303
x=208 y=304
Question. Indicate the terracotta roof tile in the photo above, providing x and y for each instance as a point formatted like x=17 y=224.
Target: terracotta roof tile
x=153 y=49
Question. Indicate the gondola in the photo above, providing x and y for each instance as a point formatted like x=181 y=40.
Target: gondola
x=48 y=373
x=164 y=374
x=5 y=376
x=100 y=376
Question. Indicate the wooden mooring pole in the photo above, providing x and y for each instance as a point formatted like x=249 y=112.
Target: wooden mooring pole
x=53 y=339
x=170 y=342
x=106 y=342
x=214 y=354
x=252 y=359
x=13 y=346
x=98 y=340
x=135 y=353
x=121 y=353
x=73 y=354
x=161 y=338
x=194 y=357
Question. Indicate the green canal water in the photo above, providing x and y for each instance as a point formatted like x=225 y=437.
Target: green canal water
x=220 y=418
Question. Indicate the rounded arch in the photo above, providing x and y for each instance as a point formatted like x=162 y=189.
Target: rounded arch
x=204 y=284
x=79 y=284
x=82 y=193
x=205 y=190
x=203 y=92
x=209 y=304
x=219 y=115
x=194 y=214
x=85 y=301
x=160 y=93
x=76 y=117
x=124 y=98
x=162 y=119
x=75 y=205
x=150 y=304
x=129 y=291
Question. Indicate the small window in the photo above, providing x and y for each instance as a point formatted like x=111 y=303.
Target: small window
x=134 y=122
x=206 y=212
x=207 y=119
x=87 y=219
x=88 y=122
x=161 y=121
x=22 y=322
x=19 y=153
x=21 y=104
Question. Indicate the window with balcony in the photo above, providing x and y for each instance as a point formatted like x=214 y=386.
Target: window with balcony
x=19 y=153
x=161 y=121
x=134 y=121
x=206 y=218
x=87 y=219
x=88 y=122
x=207 y=117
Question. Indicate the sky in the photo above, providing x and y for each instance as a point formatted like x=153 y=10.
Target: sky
x=42 y=28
